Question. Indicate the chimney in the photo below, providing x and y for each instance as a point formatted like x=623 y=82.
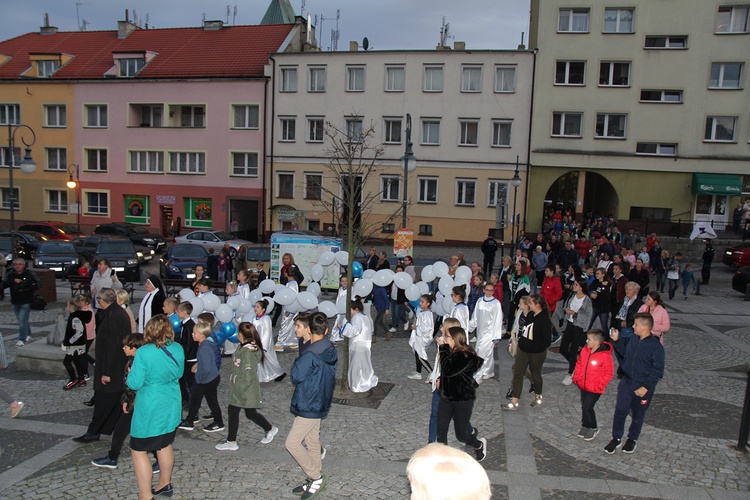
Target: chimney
x=459 y=45
x=47 y=29
x=353 y=46
x=212 y=25
x=124 y=28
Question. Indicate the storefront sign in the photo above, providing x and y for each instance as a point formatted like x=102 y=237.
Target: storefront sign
x=137 y=209
x=165 y=200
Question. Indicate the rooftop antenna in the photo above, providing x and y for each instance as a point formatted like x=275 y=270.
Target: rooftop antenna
x=135 y=17
x=147 y=16
x=234 y=15
x=203 y=18
x=445 y=33
x=81 y=27
x=302 y=9
x=84 y=24
x=229 y=12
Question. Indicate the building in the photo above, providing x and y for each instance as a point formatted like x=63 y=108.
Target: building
x=641 y=109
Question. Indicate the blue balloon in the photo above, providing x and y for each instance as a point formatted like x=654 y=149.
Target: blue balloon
x=234 y=338
x=220 y=337
x=415 y=303
x=176 y=322
x=357 y=269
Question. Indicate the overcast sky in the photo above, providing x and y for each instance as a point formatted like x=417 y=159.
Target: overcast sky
x=388 y=24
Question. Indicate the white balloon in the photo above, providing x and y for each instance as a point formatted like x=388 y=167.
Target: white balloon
x=440 y=269
x=384 y=277
x=447 y=305
x=245 y=305
x=317 y=272
x=463 y=273
x=307 y=300
x=267 y=285
x=326 y=258
x=233 y=302
x=277 y=287
x=368 y=274
x=437 y=308
x=293 y=307
x=362 y=287
x=224 y=313
x=285 y=296
x=403 y=280
x=428 y=274
x=461 y=281
x=211 y=302
x=445 y=285
x=412 y=293
x=271 y=304
x=314 y=288
x=328 y=308
x=341 y=305
x=198 y=307
x=255 y=296
x=424 y=288
x=186 y=294
x=342 y=258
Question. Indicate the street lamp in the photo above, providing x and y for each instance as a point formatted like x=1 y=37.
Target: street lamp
x=73 y=184
x=515 y=181
x=410 y=163
x=28 y=166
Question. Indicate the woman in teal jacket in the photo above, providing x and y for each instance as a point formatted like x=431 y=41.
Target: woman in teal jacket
x=155 y=376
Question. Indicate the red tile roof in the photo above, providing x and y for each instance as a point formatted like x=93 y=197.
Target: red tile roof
x=235 y=51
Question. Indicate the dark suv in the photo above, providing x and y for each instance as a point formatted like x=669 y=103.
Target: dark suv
x=137 y=234
x=119 y=251
x=53 y=230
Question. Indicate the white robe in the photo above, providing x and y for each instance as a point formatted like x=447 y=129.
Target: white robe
x=287 y=337
x=421 y=336
x=488 y=322
x=243 y=290
x=229 y=347
x=460 y=312
x=361 y=375
x=336 y=335
x=270 y=368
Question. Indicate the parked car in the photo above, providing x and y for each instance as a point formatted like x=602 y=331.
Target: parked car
x=6 y=253
x=741 y=279
x=249 y=255
x=122 y=257
x=139 y=235
x=209 y=238
x=179 y=261
x=28 y=241
x=737 y=256
x=56 y=255
x=53 y=230
x=86 y=248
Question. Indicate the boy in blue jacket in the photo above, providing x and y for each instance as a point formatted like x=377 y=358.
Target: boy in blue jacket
x=382 y=305
x=314 y=377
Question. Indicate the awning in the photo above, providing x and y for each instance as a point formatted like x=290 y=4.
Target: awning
x=720 y=184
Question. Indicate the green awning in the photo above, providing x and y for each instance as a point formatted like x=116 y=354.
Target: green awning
x=721 y=184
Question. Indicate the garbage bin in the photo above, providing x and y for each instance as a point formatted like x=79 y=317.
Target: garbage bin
x=48 y=290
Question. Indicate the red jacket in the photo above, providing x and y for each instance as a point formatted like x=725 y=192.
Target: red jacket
x=498 y=293
x=594 y=370
x=552 y=291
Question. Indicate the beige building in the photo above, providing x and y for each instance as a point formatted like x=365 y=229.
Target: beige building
x=470 y=119
x=641 y=108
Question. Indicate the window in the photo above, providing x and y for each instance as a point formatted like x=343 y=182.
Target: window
x=288 y=129
x=57 y=201
x=428 y=187
x=5 y=157
x=610 y=126
x=614 y=74
x=389 y=228
x=45 y=69
x=566 y=124
x=288 y=79
x=471 y=79
x=10 y=114
x=192 y=116
x=147 y=162
x=497 y=191
x=187 y=163
x=97 y=203
x=354 y=129
x=431 y=131
x=15 y=199
x=653 y=213
x=245 y=115
x=501 y=133
x=96 y=160
x=466 y=192
x=618 y=20
x=355 y=78
x=433 y=78
x=656 y=148
x=505 y=78
x=666 y=96
x=57 y=159
x=720 y=129
x=394 y=78
x=726 y=75
x=56 y=115
x=317 y=79
x=732 y=19
x=469 y=132
x=666 y=42
x=131 y=67
x=390 y=186
x=316 y=129
x=96 y=115
x=313 y=186
x=573 y=21
x=425 y=229
x=284 y=185
x=392 y=131
x=245 y=164
x=570 y=73
x=151 y=115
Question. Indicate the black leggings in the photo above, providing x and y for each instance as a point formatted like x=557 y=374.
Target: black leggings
x=89 y=360
x=80 y=363
x=460 y=413
x=252 y=414
x=422 y=362
x=572 y=340
x=209 y=390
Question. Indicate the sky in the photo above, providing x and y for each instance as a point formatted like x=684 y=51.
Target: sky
x=388 y=24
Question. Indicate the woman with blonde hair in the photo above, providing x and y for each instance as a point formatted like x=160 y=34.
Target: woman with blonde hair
x=123 y=300
x=439 y=472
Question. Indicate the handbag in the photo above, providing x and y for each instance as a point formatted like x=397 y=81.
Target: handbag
x=513 y=344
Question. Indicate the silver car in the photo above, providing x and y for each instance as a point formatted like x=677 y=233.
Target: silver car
x=208 y=238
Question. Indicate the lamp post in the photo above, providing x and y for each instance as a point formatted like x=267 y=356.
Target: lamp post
x=73 y=184
x=28 y=166
x=515 y=181
x=410 y=163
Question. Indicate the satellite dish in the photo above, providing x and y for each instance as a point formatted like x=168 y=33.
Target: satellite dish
x=365 y=43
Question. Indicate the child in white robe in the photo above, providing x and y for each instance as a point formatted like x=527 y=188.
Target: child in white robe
x=487 y=320
x=286 y=337
x=421 y=336
x=361 y=375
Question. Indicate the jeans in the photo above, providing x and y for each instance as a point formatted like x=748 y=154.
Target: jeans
x=661 y=280
x=398 y=314
x=603 y=319
x=588 y=415
x=209 y=390
x=460 y=413
x=252 y=414
x=628 y=402
x=22 y=314
x=489 y=263
x=673 y=284
x=432 y=434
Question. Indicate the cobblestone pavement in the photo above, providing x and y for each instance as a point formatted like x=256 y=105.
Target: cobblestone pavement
x=686 y=449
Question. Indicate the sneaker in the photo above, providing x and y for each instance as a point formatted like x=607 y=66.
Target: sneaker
x=293 y=346
x=537 y=401
x=70 y=385
x=155 y=469
x=269 y=435
x=555 y=339
x=509 y=394
x=531 y=389
x=278 y=348
x=19 y=343
x=323 y=452
x=299 y=490
x=612 y=446
x=415 y=376
x=474 y=431
x=213 y=427
x=510 y=406
x=314 y=487
x=206 y=417
x=81 y=383
x=481 y=453
x=87 y=377
x=407 y=326
x=590 y=434
x=392 y=330
x=227 y=446
x=167 y=491
x=629 y=446
x=582 y=432
x=15 y=411
x=104 y=462
x=186 y=425
x=567 y=380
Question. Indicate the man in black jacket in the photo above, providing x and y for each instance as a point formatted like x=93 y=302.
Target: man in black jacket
x=489 y=249
x=708 y=258
x=22 y=283
x=567 y=256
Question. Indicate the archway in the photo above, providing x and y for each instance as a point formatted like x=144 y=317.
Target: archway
x=582 y=192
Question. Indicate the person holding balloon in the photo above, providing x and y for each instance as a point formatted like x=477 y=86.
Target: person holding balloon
x=487 y=320
x=229 y=347
x=361 y=375
x=421 y=336
x=270 y=369
x=286 y=336
x=243 y=283
x=460 y=310
x=341 y=318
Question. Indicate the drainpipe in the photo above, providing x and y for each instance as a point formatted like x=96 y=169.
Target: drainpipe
x=528 y=144
x=263 y=176
x=265 y=117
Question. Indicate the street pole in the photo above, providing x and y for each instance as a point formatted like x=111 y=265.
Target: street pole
x=74 y=169
x=516 y=181
x=28 y=166
x=410 y=162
